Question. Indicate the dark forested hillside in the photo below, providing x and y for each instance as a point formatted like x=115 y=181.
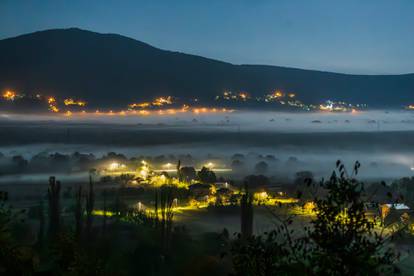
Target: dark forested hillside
x=109 y=69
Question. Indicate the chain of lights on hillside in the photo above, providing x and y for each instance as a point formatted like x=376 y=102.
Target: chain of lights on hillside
x=168 y=105
x=70 y=106
x=290 y=100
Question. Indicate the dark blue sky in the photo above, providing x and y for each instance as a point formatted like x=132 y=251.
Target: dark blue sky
x=352 y=36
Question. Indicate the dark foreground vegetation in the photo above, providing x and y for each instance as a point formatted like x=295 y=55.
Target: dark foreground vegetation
x=339 y=239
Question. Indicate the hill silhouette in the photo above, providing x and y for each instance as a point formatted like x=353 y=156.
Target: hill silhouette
x=110 y=69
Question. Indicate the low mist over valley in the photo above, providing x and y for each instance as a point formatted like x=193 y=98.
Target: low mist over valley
x=287 y=142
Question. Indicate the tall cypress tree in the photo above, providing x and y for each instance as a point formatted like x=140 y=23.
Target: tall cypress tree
x=246 y=206
x=90 y=203
x=78 y=213
x=54 y=207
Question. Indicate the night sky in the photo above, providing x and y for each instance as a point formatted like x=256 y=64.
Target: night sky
x=369 y=37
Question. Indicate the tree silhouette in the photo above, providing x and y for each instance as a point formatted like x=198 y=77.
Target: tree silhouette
x=78 y=213
x=340 y=240
x=207 y=176
x=246 y=207
x=343 y=238
x=105 y=216
x=90 y=203
x=54 y=207
x=14 y=259
x=41 y=233
x=261 y=167
x=187 y=174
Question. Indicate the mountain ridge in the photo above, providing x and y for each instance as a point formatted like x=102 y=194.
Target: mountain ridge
x=195 y=55
x=91 y=65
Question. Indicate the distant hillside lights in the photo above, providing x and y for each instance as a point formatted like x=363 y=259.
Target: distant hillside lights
x=328 y=106
x=275 y=96
x=13 y=96
x=243 y=96
x=332 y=106
x=290 y=100
x=162 y=101
x=140 y=105
x=167 y=105
x=70 y=101
x=54 y=109
x=71 y=106
x=157 y=102
x=52 y=104
x=285 y=99
x=228 y=95
x=9 y=95
x=51 y=100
